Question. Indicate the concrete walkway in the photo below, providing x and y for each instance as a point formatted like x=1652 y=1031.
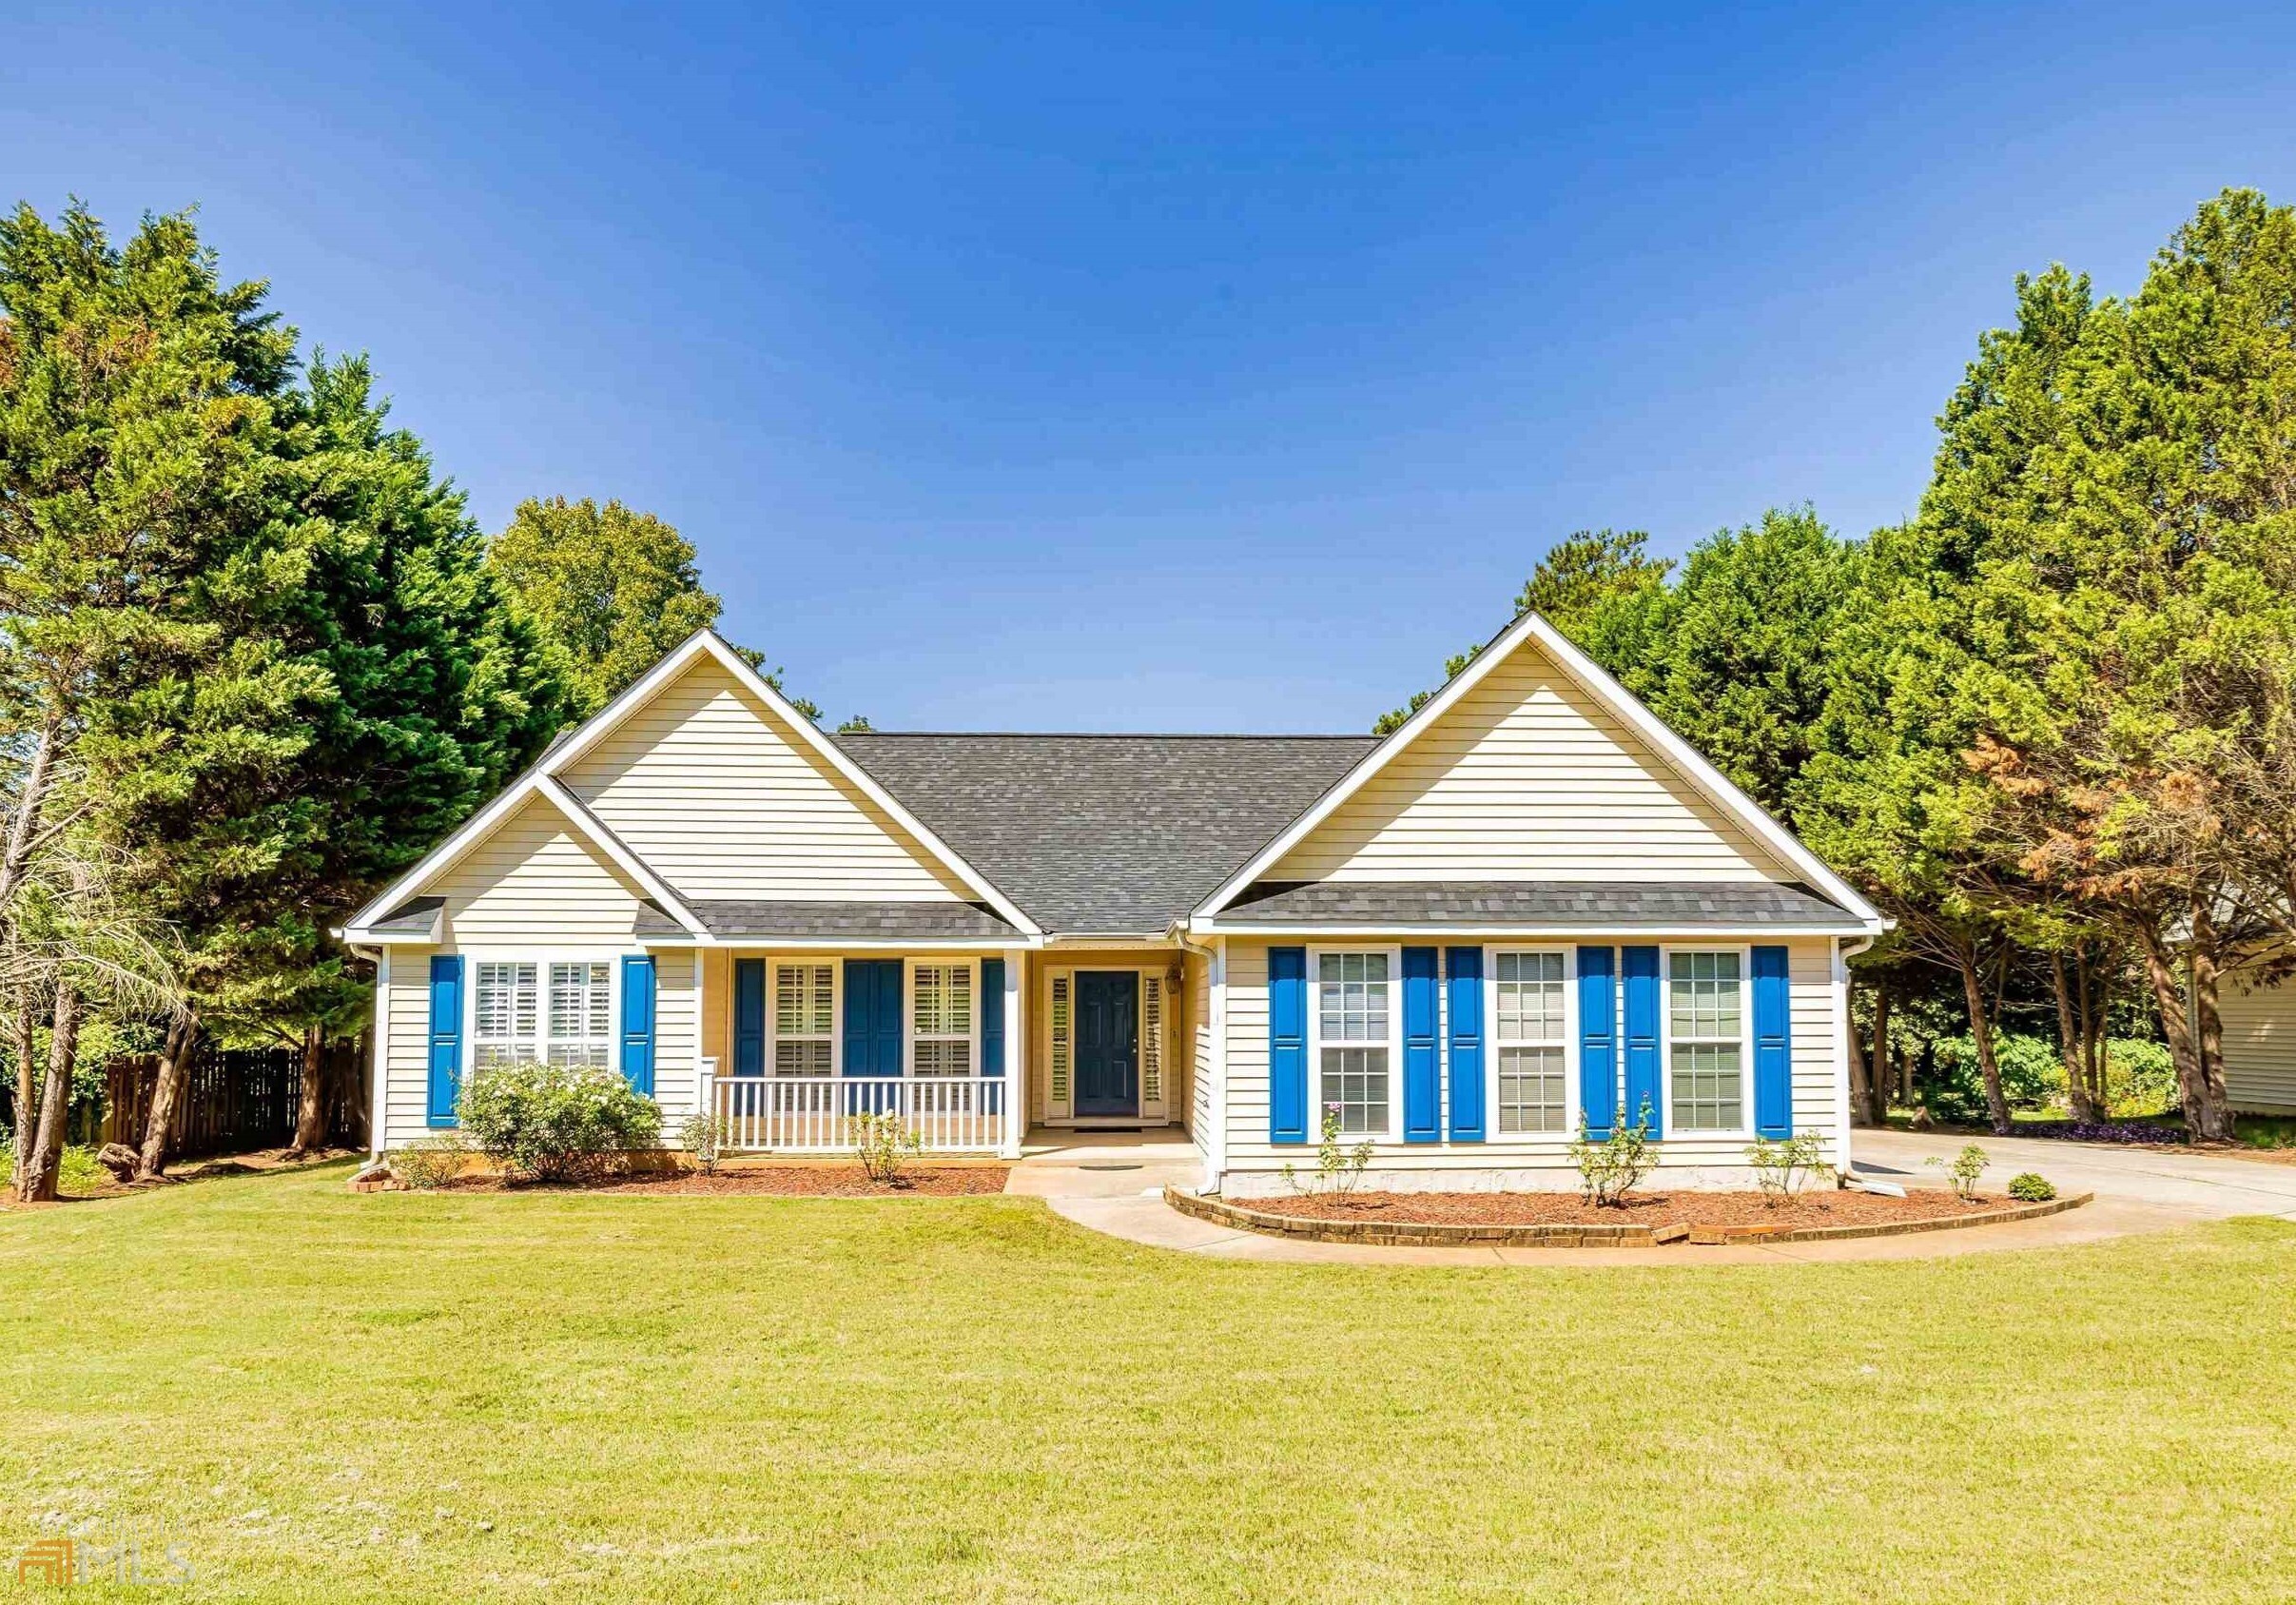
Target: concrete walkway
x=1115 y=1184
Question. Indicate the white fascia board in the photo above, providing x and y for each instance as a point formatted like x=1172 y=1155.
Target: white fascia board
x=872 y=943
x=594 y=830
x=1409 y=934
x=1618 y=701
x=707 y=643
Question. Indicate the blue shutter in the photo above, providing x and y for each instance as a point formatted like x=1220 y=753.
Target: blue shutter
x=446 y=1037
x=1773 y=1045
x=749 y=1017
x=1422 y=1087
x=1287 y=1044
x=1643 y=1095
x=992 y=1029
x=1464 y=966
x=872 y=1017
x=1598 y=1039
x=638 y=1023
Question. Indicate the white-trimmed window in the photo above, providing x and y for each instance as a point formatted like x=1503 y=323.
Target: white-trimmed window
x=1355 y=1019
x=1706 y=1042
x=940 y=1019
x=1530 y=1020
x=506 y=1013
x=804 y=1019
x=581 y=1013
x=560 y=1010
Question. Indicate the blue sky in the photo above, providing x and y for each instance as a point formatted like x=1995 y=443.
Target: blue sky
x=1186 y=368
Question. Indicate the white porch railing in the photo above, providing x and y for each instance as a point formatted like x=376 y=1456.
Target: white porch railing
x=814 y=1114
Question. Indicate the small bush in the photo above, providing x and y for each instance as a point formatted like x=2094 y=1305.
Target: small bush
x=1338 y=1171
x=1783 y=1168
x=1964 y=1169
x=2032 y=1189
x=1610 y=1168
x=79 y=1172
x=885 y=1145
x=557 y=1123
x=432 y=1163
x=704 y=1136
x=2140 y=1078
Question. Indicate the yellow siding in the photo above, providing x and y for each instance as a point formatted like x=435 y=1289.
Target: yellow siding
x=1526 y=778
x=2260 y=1046
x=721 y=799
x=1253 y=1161
x=405 y=1003
x=532 y=884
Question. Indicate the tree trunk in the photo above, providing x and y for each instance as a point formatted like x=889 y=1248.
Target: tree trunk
x=40 y=1174
x=174 y=1071
x=1863 y=1068
x=2072 y=1042
x=2212 y=1100
x=2168 y=997
x=1981 y=1032
x=30 y=802
x=1880 y=1088
x=28 y=1086
x=311 y=1112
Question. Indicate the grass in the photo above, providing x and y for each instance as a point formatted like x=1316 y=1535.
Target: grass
x=591 y=1398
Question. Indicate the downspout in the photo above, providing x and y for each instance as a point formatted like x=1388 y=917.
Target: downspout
x=1214 y=1143
x=1846 y=1044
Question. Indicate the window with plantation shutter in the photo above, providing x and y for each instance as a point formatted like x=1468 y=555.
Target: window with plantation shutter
x=506 y=1014
x=804 y=1019
x=1152 y=1039
x=581 y=1014
x=941 y=1020
x=1062 y=1043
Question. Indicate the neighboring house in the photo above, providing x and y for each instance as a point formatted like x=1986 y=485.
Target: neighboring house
x=2259 y=1046
x=1532 y=902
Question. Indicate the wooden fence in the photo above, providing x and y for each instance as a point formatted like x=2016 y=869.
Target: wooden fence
x=236 y=1101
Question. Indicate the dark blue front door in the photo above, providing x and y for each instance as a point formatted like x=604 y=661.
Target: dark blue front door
x=1108 y=1042
x=872 y=1017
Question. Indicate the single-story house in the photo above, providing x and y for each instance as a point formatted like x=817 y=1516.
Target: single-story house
x=1531 y=904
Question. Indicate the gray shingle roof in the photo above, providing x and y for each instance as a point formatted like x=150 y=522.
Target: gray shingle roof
x=413 y=916
x=1656 y=905
x=1106 y=834
x=891 y=921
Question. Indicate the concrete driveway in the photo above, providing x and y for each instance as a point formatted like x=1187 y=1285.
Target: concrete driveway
x=2199 y=1187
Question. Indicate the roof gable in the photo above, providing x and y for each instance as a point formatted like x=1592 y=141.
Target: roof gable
x=852 y=807
x=1533 y=765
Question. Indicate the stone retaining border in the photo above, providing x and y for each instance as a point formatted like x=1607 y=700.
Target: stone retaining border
x=1454 y=1235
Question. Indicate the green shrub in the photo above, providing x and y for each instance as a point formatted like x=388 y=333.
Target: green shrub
x=1338 y=1170
x=432 y=1163
x=2031 y=1188
x=1964 y=1169
x=1610 y=1168
x=2140 y=1078
x=1783 y=1168
x=703 y=1135
x=885 y=1145
x=80 y=1173
x=557 y=1123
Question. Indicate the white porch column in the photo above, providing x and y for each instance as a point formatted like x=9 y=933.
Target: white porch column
x=1016 y=1055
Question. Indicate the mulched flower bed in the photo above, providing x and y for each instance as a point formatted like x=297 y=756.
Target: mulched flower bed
x=1828 y=1207
x=786 y=1181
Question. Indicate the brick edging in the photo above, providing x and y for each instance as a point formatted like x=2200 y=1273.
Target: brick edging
x=1439 y=1234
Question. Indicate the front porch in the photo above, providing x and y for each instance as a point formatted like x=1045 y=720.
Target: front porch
x=969 y=1048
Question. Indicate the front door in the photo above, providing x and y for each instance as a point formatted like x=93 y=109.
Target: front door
x=1108 y=1043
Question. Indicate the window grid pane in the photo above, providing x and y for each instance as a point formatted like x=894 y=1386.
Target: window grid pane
x=1533 y=1095
x=1352 y=996
x=1705 y=1018
x=1356 y=1080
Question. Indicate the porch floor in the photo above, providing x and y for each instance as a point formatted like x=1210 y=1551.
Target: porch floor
x=1060 y=1163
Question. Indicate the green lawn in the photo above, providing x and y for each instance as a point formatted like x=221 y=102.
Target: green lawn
x=409 y=1397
